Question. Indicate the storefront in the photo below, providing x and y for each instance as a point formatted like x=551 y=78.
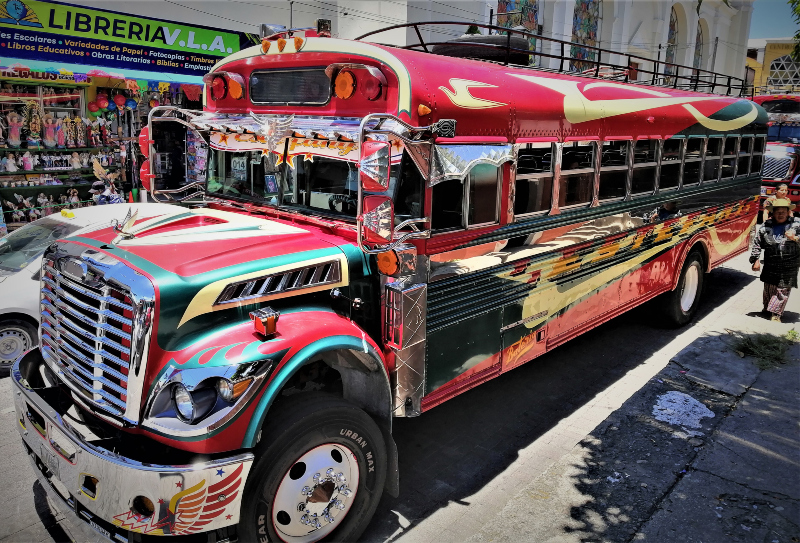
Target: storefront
x=76 y=85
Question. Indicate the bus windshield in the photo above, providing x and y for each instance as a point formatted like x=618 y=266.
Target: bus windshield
x=781 y=106
x=320 y=185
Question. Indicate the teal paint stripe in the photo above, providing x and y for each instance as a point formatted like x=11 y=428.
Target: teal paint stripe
x=290 y=368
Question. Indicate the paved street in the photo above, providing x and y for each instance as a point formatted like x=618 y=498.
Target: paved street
x=567 y=448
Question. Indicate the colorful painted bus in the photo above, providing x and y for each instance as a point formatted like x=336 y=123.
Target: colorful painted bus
x=783 y=140
x=384 y=229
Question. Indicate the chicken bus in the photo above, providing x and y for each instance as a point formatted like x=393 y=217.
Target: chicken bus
x=783 y=140
x=384 y=228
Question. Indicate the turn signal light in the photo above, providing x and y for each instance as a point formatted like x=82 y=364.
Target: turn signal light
x=223 y=84
x=388 y=262
x=345 y=84
x=219 y=88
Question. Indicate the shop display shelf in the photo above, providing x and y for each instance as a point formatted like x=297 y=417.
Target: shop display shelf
x=44 y=187
x=53 y=149
x=30 y=172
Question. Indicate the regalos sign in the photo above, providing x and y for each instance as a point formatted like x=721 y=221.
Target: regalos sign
x=68 y=20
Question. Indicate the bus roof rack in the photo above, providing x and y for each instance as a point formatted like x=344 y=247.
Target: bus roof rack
x=592 y=61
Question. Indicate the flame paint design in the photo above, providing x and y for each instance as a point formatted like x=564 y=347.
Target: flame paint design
x=189 y=511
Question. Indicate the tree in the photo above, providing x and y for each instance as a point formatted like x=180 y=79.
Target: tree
x=796 y=15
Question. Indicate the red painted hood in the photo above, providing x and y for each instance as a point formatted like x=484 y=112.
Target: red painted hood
x=189 y=242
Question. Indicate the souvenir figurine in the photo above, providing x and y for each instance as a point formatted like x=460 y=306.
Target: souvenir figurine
x=27 y=161
x=11 y=164
x=14 y=129
x=69 y=127
x=2 y=139
x=61 y=135
x=104 y=132
x=62 y=201
x=75 y=161
x=84 y=160
x=74 y=201
x=18 y=214
x=80 y=132
x=103 y=159
x=49 y=206
x=50 y=126
x=33 y=120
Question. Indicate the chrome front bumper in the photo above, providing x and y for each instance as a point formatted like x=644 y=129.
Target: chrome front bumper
x=90 y=477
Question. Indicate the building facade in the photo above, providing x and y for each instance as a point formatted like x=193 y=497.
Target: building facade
x=771 y=66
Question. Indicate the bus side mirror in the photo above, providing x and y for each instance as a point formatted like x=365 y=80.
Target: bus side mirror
x=377 y=219
x=374 y=166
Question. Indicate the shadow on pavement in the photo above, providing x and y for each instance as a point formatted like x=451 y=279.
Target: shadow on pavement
x=49 y=521
x=451 y=452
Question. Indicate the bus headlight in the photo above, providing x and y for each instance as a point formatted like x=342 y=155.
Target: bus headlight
x=184 y=405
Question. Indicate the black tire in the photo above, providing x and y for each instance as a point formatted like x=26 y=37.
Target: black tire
x=298 y=429
x=464 y=48
x=679 y=306
x=16 y=337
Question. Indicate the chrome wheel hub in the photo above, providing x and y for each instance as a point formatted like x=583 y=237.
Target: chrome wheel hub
x=13 y=342
x=315 y=494
x=689 y=289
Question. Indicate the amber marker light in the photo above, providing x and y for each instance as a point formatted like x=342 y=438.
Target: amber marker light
x=345 y=85
x=235 y=88
x=388 y=262
x=298 y=43
x=281 y=44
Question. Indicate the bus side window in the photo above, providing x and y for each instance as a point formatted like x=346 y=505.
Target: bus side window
x=712 y=161
x=729 y=157
x=576 y=183
x=534 y=179
x=643 y=180
x=745 y=148
x=693 y=159
x=447 y=204
x=484 y=189
x=758 y=155
x=670 y=174
x=613 y=170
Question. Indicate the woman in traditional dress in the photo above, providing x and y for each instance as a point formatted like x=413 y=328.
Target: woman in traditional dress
x=777 y=237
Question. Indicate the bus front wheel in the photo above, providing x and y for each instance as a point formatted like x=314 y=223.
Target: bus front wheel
x=681 y=304
x=320 y=475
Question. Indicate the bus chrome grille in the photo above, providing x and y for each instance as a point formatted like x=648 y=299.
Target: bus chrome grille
x=87 y=332
x=776 y=168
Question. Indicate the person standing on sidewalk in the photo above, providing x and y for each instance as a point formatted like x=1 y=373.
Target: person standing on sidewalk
x=777 y=237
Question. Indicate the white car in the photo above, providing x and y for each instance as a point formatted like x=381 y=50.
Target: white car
x=21 y=259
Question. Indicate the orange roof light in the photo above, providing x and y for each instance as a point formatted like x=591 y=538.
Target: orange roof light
x=345 y=84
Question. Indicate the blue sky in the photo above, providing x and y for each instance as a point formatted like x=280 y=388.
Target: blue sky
x=772 y=19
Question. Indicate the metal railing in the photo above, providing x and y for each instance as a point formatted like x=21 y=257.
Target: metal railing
x=598 y=62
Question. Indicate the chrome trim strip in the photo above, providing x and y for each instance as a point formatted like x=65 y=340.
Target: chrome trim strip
x=74 y=286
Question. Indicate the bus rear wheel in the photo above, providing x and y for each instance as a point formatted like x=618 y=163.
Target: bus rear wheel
x=320 y=476
x=681 y=304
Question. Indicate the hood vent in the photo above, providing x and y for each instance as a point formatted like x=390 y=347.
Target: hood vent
x=278 y=283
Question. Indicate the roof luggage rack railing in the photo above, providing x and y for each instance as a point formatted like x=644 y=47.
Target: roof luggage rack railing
x=596 y=61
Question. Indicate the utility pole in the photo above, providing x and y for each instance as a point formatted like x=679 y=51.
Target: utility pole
x=291 y=13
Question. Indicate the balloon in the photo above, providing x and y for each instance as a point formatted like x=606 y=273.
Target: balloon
x=102 y=102
x=119 y=99
x=131 y=104
x=153 y=102
x=95 y=113
x=92 y=107
x=102 y=95
x=111 y=106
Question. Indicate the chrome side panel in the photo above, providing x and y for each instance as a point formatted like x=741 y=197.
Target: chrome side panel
x=405 y=308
